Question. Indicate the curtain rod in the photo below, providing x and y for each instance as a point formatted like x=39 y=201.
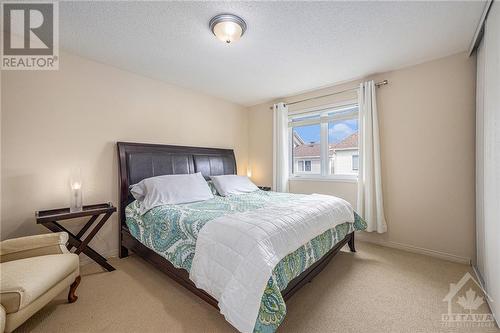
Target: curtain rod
x=378 y=84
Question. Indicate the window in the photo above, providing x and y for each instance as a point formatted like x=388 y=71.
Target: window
x=324 y=144
x=305 y=155
x=355 y=162
x=307 y=166
x=304 y=166
x=301 y=166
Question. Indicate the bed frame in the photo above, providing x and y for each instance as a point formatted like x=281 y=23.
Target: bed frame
x=138 y=161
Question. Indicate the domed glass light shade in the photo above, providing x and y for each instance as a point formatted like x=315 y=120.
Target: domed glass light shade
x=228 y=27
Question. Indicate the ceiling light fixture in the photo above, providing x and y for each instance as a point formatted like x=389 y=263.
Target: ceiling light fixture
x=228 y=27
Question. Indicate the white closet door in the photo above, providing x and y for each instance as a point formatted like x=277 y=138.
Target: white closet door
x=488 y=164
x=480 y=159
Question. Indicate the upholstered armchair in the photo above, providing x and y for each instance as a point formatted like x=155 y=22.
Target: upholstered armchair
x=34 y=270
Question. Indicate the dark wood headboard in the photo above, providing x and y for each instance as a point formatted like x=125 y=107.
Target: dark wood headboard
x=137 y=161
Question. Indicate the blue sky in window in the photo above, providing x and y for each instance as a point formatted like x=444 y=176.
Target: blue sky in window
x=337 y=131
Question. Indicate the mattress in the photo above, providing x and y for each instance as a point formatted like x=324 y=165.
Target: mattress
x=172 y=231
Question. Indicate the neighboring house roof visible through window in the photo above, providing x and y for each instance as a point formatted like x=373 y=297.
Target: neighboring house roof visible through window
x=351 y=142
x=313 y=149
x=307 y=150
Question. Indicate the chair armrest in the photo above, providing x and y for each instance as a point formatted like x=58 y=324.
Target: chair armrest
x=33 y=246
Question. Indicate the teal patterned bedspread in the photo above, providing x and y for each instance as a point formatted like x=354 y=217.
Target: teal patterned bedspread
x=172 y=230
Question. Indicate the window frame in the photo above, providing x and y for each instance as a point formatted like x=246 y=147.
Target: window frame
x=323 y=121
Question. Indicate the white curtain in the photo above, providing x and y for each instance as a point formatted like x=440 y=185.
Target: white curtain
x=370 y=202
x=280 y=148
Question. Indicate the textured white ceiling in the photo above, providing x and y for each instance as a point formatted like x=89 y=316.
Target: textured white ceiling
x=289 y=47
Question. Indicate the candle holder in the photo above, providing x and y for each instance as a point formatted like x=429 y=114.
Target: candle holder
x=76 y=200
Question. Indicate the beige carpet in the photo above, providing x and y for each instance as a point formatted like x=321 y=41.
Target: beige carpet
x=375 y=290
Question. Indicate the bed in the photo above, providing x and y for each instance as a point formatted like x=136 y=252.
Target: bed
x=166 y=236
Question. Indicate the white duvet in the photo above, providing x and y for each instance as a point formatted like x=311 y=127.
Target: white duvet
x=236 y=254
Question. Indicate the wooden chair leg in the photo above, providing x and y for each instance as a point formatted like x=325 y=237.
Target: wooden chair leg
x=71 y=295
x=351 y=243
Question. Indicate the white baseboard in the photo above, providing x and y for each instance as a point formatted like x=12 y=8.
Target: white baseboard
x=419 y=250
x=84 y=260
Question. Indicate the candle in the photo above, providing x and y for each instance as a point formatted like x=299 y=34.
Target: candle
x=76 y=202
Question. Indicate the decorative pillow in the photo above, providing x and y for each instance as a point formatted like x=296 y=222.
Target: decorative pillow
x=212 y=187
x=171 y=189
x=232 y=184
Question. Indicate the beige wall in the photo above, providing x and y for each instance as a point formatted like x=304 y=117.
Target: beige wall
x=342 y=189
x=427 y=143
x=57 y=120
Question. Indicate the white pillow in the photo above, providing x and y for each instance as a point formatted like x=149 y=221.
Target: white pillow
x=138 y=190
x=171 y=189
x=232 y=184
